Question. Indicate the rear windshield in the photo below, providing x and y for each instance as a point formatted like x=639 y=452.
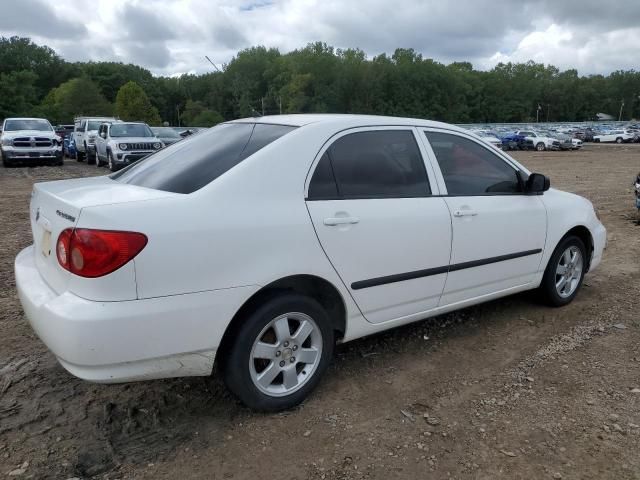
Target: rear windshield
x=189 y=165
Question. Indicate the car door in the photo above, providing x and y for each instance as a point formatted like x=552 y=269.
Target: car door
x=369 y=195
x=77 y=132
x=101 y=142
x=499 y=232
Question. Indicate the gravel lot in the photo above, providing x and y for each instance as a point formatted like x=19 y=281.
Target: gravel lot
x=509 y=389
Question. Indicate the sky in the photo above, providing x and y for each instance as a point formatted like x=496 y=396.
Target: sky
x=171 y=37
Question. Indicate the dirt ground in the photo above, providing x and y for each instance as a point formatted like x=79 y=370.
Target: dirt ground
x=509 y=389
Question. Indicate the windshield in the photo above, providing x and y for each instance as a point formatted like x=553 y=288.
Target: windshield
x=190 y=164
x=166 y=132
x=27 y=124
x=130 y=130
x=95 y=124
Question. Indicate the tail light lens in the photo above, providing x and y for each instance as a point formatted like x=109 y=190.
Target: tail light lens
x=94 y=253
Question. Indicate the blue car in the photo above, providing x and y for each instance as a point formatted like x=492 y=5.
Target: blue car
x=69 y=147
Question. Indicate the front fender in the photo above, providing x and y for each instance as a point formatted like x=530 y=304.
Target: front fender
x=566 y=211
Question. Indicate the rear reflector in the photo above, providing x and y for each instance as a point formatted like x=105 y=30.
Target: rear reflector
x=94 y=253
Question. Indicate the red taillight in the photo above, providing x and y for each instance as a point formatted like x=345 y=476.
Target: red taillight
x=94 y=253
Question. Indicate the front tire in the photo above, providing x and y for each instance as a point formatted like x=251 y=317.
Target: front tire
x=278 y=352
x=110 y=162
x=565 y=272
x=540 y=147
x=618 y=140
x=90 y=158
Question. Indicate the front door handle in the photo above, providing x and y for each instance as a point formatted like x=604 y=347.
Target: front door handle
x=465 y=213
x=333 y=221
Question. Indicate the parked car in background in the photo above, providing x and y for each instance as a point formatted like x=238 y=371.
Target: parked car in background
x=121 y=143
x=514 y=141
x=68 y=147
x=261 y=242
x=85 y=133
x=29 y=140
x=617 y=136
x=490 y=137
x=167 y=135
x=585 y=134
x=63 y=131
x=540 y=141
x=566 y=141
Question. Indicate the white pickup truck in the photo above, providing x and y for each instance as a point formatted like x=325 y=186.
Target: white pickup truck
x=29 y=140
x=539 y=141
x=85 y=133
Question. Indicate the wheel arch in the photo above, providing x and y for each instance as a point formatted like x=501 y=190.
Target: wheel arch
x=584 y=234
x=321 y=290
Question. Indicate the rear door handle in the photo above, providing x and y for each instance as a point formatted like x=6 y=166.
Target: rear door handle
x=465 y=213
x=333 y=221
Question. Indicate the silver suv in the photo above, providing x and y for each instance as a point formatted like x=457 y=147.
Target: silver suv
x=29 y=140
x=121 y=143
x=85 y=133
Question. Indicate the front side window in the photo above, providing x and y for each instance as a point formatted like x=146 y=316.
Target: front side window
x=375 y=164
x=189 y=165
x=469 y=168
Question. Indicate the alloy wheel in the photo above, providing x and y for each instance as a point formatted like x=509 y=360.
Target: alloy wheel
x=569 y=271
x=285 y=354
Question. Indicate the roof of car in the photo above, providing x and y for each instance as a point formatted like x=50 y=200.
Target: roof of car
x=25 y=118
x=299 y=120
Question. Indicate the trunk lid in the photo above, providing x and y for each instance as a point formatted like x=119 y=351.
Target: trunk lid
x=58 y=205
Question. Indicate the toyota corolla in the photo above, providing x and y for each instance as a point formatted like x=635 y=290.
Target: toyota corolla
x=260 y=243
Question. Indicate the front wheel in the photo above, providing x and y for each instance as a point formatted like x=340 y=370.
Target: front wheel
x=278 y=352
x=564 y=274
x=618 y=140
x=110 y=162
x=540 y=147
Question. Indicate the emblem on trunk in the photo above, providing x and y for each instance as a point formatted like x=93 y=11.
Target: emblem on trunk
x=66 y=216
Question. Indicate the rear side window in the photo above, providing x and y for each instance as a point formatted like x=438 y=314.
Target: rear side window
x=469 y=168
x=189 y=165
x=375 y=164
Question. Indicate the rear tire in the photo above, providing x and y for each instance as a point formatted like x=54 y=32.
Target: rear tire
x=259 y=364
x=618 y=140
x=79 y=156
x=564 y=275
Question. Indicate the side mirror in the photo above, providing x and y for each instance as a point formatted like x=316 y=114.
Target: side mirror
x=536 y=184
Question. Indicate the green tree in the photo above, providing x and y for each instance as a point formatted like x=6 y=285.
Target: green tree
x=196 y=114
x=132 y=103
x=79 y=96
x=17 y=93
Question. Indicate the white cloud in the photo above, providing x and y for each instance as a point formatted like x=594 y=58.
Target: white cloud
x=170 y=36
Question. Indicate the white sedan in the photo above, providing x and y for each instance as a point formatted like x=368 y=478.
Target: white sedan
x=263 y=241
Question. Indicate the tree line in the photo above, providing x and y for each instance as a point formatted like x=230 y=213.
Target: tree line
x=35 y=80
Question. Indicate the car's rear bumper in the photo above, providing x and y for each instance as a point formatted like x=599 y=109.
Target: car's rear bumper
x=130 y=340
